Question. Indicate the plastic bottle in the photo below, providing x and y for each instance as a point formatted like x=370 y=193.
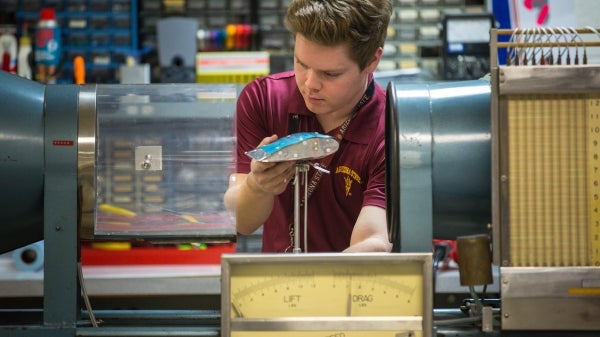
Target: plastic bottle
x=23 y=63
x=79 y=69
x=47 y=49
x=8 y=52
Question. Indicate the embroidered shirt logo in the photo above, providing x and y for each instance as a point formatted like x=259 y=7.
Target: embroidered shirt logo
x=350 y=176
x=347 y=185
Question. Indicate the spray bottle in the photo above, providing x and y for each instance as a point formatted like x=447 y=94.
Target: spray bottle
x=47 y=49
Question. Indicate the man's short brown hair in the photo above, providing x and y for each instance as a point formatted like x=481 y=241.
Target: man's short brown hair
x=361 y=24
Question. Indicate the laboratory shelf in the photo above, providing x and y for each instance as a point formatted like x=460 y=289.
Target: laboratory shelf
x=103 y=32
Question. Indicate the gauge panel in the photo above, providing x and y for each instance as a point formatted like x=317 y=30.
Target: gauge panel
x=327 y=294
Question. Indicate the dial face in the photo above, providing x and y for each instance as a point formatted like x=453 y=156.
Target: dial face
x=309 y=289
x=268 y=291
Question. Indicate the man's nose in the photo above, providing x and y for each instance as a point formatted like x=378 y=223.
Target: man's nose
x=312 y=82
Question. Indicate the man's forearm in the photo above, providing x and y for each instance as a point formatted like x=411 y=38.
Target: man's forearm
x=373 y=244
x=253 y=207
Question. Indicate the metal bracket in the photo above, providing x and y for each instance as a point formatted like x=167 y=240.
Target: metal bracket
x=148 y=158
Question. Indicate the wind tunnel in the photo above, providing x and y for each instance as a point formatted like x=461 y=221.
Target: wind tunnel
x=125 y=161
x=438 y=162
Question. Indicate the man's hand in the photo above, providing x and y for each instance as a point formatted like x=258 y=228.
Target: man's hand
x=251 y=195
x=271 y=178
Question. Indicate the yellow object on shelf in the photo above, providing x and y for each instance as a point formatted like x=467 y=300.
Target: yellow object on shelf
x=231 y=67
x=116 y=210
x=111 y=245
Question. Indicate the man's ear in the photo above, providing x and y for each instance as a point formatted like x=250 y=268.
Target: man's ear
x=372 y=66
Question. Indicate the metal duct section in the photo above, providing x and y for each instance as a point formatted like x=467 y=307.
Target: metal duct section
x=438 y=174
x=21 y=161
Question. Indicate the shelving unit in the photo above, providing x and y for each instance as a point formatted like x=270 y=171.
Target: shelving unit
x=107 y=31
x=104 y=32
x=414 y=35
x=211 y=14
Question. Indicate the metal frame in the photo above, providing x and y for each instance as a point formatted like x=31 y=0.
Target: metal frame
x=520 y=80
x=536 y=298
x=61 y=289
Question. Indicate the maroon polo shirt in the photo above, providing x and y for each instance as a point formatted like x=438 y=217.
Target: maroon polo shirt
x=357 y=177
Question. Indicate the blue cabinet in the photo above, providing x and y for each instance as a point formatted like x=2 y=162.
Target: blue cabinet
x=103 y=32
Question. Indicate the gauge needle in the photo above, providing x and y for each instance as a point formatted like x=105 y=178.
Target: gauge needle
x=349 y=302
x=349 y=306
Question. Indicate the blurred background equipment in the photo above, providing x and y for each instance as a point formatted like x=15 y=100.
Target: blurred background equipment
x=466 y=51
x=177 y=47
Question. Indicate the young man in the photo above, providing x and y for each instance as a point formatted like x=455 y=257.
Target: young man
x=338 y=45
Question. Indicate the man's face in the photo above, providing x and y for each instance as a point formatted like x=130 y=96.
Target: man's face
x=330 y=82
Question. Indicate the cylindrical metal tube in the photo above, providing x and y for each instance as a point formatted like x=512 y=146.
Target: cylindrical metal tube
x=21 y=161
x=474 y=260
x=438 y=161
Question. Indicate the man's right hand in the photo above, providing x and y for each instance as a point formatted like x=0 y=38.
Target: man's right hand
x=272 y=177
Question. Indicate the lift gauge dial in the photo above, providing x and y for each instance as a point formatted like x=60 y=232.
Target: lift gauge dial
x=326 y=295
